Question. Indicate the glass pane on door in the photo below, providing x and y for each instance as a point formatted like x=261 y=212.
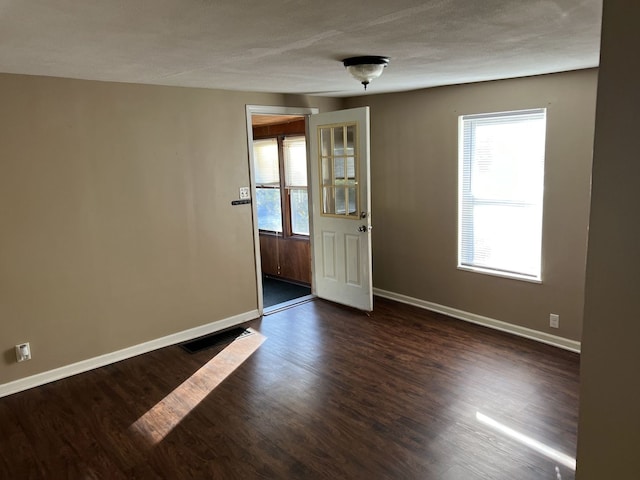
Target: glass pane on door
x=338 y=170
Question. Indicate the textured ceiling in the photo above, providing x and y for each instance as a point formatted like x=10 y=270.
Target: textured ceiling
x=295 y=46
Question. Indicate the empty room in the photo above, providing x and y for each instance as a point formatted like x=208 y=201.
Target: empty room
x=448 y=186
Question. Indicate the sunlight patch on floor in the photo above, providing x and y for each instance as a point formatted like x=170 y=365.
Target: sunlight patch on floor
x=527 y=441
x=163 y=417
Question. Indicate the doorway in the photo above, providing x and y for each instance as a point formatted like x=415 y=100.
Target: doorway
x=281 y=209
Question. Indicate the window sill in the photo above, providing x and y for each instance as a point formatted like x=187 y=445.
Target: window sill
x=299 y=236
x=295 y=236
x=495 y=273
x=270 y=233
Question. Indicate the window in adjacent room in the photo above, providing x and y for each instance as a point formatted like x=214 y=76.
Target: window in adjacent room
x=281 y=185
x=501 y=183
x=268 y=189
x=295 y=169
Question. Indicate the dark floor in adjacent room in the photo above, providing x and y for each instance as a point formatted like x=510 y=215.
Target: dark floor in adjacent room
x=318 y=391
x=275 y=292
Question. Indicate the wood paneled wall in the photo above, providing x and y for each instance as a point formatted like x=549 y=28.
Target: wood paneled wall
x=286 y=258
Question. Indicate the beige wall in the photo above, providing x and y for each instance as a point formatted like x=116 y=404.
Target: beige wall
x=117 y=226
x=609 y=429
x=414 y=189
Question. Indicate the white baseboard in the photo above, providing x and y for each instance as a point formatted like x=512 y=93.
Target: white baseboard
x=542 y=337
x=108 y=358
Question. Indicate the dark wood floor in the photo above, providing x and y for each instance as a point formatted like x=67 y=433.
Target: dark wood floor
x=327 y=393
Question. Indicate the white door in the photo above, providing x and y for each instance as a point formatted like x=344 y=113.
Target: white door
x=341 y=199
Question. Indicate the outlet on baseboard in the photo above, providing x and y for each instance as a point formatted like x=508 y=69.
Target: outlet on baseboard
x=554 y=320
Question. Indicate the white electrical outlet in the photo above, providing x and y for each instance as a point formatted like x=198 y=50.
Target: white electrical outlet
x=554 y=320
x=23 y=352
x=245 y=193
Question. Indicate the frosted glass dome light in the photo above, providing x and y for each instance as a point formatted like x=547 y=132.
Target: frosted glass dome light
x=365 y=69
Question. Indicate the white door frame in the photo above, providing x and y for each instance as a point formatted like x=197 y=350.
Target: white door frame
x=271 y=110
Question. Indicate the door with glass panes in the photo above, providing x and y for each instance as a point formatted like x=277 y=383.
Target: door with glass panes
x=341 y=199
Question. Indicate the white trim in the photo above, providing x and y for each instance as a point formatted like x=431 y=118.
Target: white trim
x=288 y=304
x=498 y=273
x=108 y=358
x=529 y=333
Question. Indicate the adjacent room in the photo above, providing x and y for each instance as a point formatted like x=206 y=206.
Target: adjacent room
x=402 y=234
x=282 y=208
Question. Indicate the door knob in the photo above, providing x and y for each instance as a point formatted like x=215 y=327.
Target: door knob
x=365 y=228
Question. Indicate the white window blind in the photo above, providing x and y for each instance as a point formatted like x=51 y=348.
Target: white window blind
x=295 y=161
x=501 y=184
x=265 y=153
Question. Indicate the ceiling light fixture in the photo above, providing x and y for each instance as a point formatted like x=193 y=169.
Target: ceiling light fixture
x=365 y=69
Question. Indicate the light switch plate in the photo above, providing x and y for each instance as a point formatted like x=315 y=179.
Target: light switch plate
x=244 y=193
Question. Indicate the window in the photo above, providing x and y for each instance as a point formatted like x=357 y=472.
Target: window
x=295 y=169
x=266 y=158
x=501 y=183
x=281 y=166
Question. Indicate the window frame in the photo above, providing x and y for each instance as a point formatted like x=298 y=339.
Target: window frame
x=285 y=192
x=465 y=169
x=269 y=186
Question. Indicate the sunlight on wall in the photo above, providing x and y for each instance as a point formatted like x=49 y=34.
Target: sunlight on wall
x=163 y=417
x=527 y=441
